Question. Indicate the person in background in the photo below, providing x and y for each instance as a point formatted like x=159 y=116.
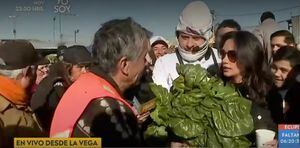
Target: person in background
x=159 y=45
x=75 y=61
x=224 y=27
x=151 y=59
x=78 y=60
x=244 y=65
x=41 y=72
x=141 y=93
x=93 y=105
x=17 y=74
x=60 y=50
x=283 y=99
x=193 y=32
x=264 y=30
x=281 y=38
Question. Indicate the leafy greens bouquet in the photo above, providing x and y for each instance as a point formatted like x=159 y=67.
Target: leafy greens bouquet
x=201 y=110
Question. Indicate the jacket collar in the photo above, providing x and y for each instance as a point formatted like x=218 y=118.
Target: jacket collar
x=4 y=104
x=100 y=73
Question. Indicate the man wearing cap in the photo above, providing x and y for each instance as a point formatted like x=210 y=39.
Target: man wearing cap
x=79 y=59
x=193 y=32
x=94 y=106
x=159 y=46
x=17 y=74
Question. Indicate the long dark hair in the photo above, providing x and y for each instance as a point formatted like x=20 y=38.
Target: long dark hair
x=251 y=58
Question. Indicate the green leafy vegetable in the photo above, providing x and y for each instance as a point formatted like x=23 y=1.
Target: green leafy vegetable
x=201 y=110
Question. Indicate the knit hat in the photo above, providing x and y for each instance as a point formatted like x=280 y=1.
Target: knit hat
x=158 y=40
x=17 y=54
x=196 y=19
x=76 y=54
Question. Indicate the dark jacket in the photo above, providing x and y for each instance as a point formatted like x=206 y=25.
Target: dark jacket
x=292 y=98
x=48 y=94
x=109 y=119
x=141 y=92
x=261 y=116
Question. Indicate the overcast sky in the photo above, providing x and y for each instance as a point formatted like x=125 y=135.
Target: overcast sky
x=34 y=18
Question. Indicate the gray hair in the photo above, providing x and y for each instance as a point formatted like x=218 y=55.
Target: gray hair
x=13 y=74
x=116 y=39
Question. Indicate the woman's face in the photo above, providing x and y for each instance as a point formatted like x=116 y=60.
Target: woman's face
x=281 y=69
x=41 y=72
x=229 y=62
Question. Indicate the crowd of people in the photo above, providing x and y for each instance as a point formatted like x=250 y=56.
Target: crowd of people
x=98 y=94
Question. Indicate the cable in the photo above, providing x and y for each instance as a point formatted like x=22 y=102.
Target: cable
x=257 y=13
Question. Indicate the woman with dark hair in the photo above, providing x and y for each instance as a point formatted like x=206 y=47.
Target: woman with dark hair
x=283 y=99
x=244 y=64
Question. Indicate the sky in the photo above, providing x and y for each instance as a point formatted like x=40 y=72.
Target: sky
x=33 y=19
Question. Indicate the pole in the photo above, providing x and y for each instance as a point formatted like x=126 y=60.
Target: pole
x=14 y=24
x=54 y=29
x=75 y=33
x=15 y=28
x=60 y=34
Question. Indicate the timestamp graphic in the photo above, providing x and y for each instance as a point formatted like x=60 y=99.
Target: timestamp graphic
x=288 y=135
x=35 y=6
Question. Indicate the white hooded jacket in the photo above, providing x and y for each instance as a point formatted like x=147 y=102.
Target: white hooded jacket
x=195 y=19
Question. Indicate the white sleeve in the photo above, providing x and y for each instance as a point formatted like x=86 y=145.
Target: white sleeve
x=160 y=76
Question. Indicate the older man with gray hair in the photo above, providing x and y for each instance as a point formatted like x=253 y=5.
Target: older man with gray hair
x=17 y=74
x=93 y=105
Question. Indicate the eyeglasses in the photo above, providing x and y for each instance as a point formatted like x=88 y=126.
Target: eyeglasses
x=230 y=54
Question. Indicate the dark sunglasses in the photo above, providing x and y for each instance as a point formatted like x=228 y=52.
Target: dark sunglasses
x=230 y=54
